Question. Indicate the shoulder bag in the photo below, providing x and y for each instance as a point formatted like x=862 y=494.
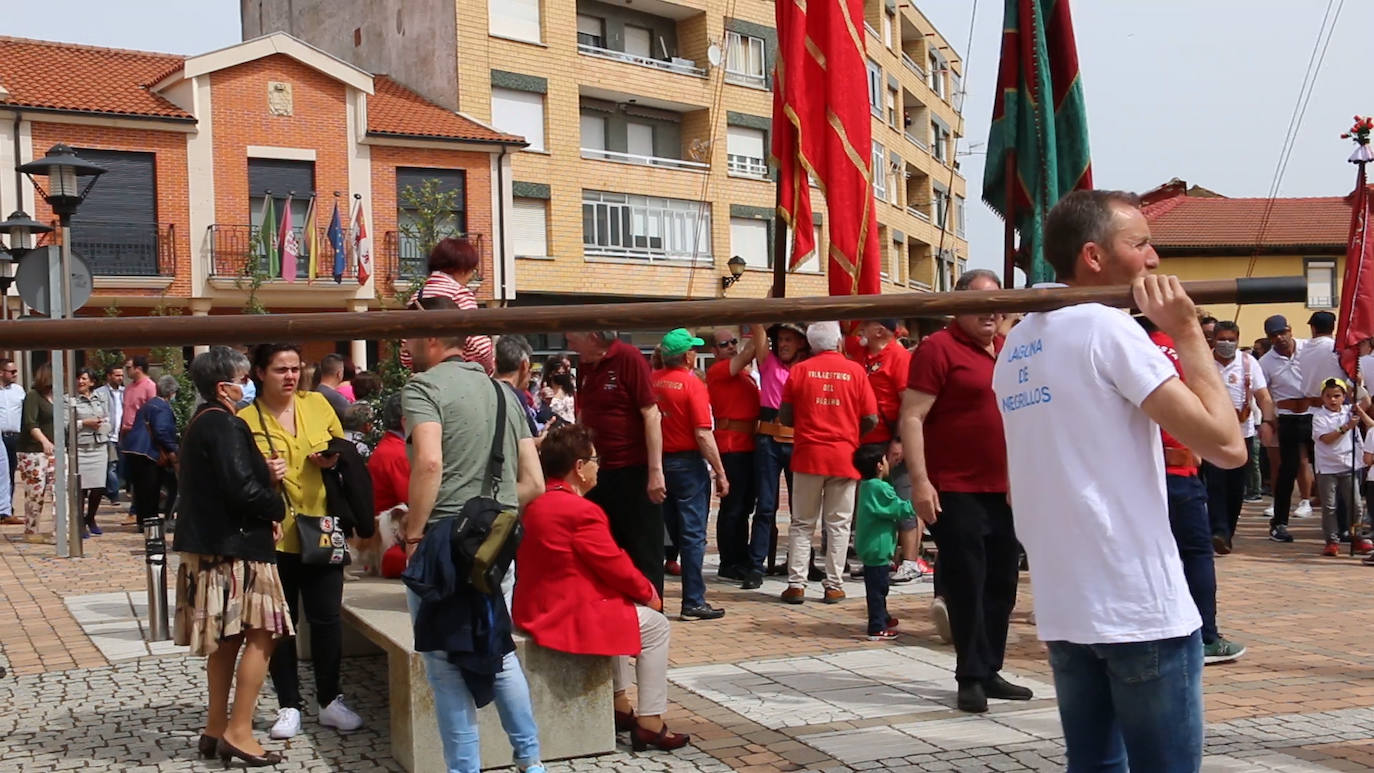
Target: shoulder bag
x=322 y=536
x=488 y=533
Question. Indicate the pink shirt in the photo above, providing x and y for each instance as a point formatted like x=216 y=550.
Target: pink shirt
x=135 y=395
x=479 y=348
x=772 y=377
x=346 y=389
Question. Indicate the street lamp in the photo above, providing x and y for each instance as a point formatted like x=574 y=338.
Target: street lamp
x=736 y=265
x=19 y=227
x=64 y=192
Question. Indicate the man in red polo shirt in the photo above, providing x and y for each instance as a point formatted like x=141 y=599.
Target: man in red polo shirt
x=615 y=398
x=687 y=442
x=960 y=489
x=829 y=404
x=735 y=404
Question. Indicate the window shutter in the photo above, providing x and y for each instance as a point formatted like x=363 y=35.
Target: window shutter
x=529 y=222
x=639 y=41
x=518 y=19
x=749 y=240
x=521 y=113
x=593 y=132
x=639 y=139
x=741 y=141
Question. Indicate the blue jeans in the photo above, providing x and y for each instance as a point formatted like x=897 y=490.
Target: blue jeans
x=1192 y=529
x=112 y=475
x=457 y=715
x=876 y=579
x=685 y=511
x=771 y=458
x=1135 y=706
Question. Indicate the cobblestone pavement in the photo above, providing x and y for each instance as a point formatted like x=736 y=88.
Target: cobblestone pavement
x=769 y=687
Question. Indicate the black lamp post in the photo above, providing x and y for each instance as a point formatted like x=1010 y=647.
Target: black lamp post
x=68 y=180
x=19 y=227
x=736 y=265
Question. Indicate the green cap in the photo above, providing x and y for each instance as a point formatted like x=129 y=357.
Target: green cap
x=677 y=341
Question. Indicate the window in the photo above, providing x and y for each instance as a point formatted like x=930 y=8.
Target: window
x=515 y=19
x=894 y=178
x=116 y=230
x=520 y=113
x=639 y=141
x=944 y=268
x=749 y=240
x=450 y=182
x=937 y=75
x=645 y=227
x=892 y=107
x=280 y=179
x=959 y=215
x=939 y=142
x=529 y=219
x=884 y=265
x=1321 y=283
x=887 y=28
x=956 y=92
x=898 y=265
x=879 y=172
x=812 y=264
x=591 y=31
x=639 y=41
x=875 y=88
x=744 y=152
x=744 y=63
x=593 y=135
x=941 y=197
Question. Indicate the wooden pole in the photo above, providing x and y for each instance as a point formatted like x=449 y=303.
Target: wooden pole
x=1009 y=236
x=94 y=333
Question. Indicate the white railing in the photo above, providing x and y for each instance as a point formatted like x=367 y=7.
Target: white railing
x=746 y=79
x=677 y=65
x=917 y=142
x=917 y=284
x=1319 y=302
x=633 y=158
x=919 y=214
x=911 y=65
x=871 y=31
x=746 y=166
x=646 y=255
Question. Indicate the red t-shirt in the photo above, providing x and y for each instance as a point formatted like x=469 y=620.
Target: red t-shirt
x=610 y=395
x=966 y=450
x=1166 y=345
x=887 y=374
x=685 y=407
x=732 y=397
x=390 y=472
x=828 y=395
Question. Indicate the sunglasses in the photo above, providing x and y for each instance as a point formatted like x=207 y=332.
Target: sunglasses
x=723 y=344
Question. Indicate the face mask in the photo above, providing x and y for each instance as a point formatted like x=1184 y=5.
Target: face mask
x=1227 y=349
x=863 y=340
x=250 y=393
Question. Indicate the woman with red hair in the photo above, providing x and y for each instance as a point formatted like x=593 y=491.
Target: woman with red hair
x=452 y=264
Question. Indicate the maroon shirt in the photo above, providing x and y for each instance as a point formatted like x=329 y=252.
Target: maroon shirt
x=610 y=395
x=966 y=450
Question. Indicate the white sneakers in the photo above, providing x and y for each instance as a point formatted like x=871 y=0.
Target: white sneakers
x=907 y=572
x=340 y=717
x=335 y=715
x=1269 y=511
x=939 y=615
x=1303 y=509
x=288 y=724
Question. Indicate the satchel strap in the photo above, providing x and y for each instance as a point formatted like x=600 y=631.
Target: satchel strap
x=262 y=422
x=497 y=462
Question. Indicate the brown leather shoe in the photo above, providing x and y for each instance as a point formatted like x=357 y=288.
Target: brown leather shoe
x=833 y=596
x=794 y=595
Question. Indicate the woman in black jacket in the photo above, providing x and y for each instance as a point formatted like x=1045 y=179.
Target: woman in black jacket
x=229 y=596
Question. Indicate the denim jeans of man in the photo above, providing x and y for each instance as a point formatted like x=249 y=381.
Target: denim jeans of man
x=1253 y=479
x=457 y=714
x=1193 y=535
x=113 y=474
x=732 y=520
x=771 y=459
x=1134 y=706
x=685 y=510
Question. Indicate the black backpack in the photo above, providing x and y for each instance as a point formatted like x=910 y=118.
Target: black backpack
x=487 y=533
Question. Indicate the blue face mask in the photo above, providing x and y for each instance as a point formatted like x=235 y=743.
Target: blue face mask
x=250 y=393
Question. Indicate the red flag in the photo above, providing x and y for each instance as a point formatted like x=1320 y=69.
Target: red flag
x=821 y=125
x=362 y=246
x=1356 y=319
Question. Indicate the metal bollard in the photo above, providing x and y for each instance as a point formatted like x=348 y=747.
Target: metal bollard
x=155 y=557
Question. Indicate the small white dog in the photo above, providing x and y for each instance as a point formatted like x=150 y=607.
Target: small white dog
x=390 y=531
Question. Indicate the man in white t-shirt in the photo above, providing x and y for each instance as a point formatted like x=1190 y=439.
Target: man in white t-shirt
x=1083 y=394
x=1282 y=367
x=11 y=410
x=1244 y=380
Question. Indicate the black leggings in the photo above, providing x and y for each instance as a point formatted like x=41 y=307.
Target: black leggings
x=320 y=590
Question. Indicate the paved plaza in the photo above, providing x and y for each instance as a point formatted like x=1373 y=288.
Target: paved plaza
x=769 y=687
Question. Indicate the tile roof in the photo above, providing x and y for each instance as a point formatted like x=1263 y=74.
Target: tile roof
x=396 y=110
x=87 y=79
x=1184 y=221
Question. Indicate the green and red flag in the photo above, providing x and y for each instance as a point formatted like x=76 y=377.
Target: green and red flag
x=1355 y=320
x=267 y=237
x=1038 y=144
x=821 y=127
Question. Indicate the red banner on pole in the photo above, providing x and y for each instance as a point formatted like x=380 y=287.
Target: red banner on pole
x=1355 y=322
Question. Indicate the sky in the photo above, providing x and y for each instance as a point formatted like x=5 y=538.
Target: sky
x=1202 y=91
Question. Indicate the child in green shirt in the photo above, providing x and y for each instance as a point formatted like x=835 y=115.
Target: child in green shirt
x=877 y=516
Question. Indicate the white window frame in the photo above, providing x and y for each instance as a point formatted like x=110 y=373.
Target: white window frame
x=510 y=19
x=522 y=212
x=937 y=79
x=1312 y=269
x=875 y=88
x=939 y=143
x=747 y=235
x=813 y=264
x=650 y=229
x=753 y=70
x=599 y=38
x=940 y=201
x=879 y=162
x=516 y=114
x=740 y=160
x=888 y=37
x=960 y=226
x=892 y=112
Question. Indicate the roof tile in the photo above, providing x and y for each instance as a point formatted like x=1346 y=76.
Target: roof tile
x=89 y=79
x=393 y=109
x=1189 y=221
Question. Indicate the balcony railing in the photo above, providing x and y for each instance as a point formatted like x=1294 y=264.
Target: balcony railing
x=871 y=31
x=746 y=79
x=126 y=249
x=403 y=260
x=911 y=65
x=919 y=213
x=676 y=64
x=917 y=284
x=918 y=142
x=597 y=154
x=747 y=166
x=236 y=249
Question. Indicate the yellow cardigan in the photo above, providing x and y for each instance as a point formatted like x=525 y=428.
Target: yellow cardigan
x=316 y=423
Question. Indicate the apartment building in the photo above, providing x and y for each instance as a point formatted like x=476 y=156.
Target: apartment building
x=648 y=122
x=195 y=146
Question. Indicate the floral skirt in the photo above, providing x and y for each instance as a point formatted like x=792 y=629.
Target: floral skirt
x=220 y=597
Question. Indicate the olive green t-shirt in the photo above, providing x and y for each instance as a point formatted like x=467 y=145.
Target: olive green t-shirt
x=461 y=398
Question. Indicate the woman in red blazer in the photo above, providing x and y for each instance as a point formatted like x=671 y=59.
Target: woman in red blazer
x=577 y=591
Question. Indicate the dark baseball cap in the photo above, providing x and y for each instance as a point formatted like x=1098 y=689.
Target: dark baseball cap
x=1323 y=318
x=888 y=322
x=1275 y=325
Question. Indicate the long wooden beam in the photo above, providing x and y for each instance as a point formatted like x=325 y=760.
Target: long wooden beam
x=104 y=332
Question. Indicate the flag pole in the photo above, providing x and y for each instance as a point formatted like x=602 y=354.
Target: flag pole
x=1009 y=235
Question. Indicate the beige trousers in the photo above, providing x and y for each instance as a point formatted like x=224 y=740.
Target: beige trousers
x=651 y=664
x=830 y=502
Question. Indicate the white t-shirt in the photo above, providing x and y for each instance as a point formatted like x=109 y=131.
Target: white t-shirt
x=1233 y=376
x=1284 y=375
x=11 y=408
x=1318 y=362
x=1087 y=477
x=1367 y=448
x=1332 y=458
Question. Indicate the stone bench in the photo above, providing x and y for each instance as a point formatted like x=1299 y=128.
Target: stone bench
x=571 y=693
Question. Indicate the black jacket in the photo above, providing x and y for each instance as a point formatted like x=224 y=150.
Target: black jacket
x=348 y=488
x=228 y=503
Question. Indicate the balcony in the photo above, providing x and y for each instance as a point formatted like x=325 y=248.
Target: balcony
x=676 y=64
x=912 y=66
x=403 y=261
x=236 y=249
x=918 y=142
x=121 y=249
x=920 y=213
x=746 y=166
x=596 y=154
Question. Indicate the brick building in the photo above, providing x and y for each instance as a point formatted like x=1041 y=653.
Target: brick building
x=194 y=146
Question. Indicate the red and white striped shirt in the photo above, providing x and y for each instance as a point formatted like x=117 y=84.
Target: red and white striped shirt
x=478 y=348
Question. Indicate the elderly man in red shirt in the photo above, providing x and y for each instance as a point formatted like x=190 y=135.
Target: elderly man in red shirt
x=961 y=490
x=829 y=404
x=735 y=405
x=616 y=399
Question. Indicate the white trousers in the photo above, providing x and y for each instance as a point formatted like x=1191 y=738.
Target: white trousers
x=829 y=502
x=651 y=664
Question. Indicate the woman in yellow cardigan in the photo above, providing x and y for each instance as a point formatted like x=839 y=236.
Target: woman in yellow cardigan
x=292 y=427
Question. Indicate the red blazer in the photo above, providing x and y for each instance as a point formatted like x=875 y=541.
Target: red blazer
x=575 y=589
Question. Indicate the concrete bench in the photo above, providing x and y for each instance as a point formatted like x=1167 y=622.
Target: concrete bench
x=571 y=693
